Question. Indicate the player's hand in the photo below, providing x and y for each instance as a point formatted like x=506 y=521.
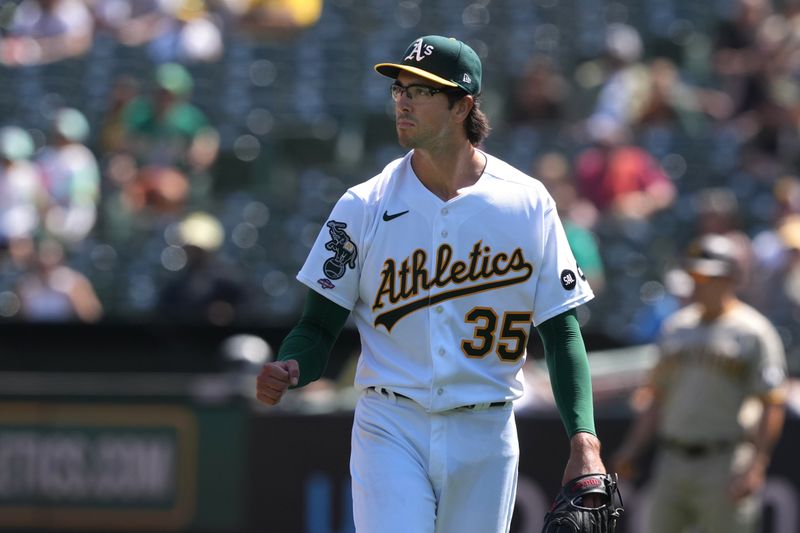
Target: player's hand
x=584 y=458
x=274 y=379
x=746 y=483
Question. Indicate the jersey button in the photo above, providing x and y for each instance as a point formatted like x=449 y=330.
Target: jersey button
x=445 y=211
x=439 y=309
x=440 y=392
x=444 y=233
x=441 y=351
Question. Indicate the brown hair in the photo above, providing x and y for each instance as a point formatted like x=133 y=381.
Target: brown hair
x=476 y=124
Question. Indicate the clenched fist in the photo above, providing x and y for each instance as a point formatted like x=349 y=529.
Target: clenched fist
x=274 y=379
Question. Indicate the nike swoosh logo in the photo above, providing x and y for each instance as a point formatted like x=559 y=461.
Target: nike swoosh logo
x=387 y=217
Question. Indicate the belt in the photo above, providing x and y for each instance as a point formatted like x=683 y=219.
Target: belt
x=697 y=449
x=473 y=407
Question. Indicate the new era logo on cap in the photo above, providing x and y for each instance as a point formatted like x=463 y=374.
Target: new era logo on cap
x=443 y=60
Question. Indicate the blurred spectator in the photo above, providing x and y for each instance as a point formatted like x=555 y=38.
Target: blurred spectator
x=173 y=146
x=775 y=289
x=770 y=140
x=183 y=31
x=113 y=130
x=21 y=191
x=269 y=19
x=738 y=60
x=787 y=196
x=780 y=37
x=783 y=274
x=624 y=88
x=780 y=288
x=619 y=178
x=44 y=31
x=650 y=94
x=757 y=61
x=749 y=55
x=669 y=101
x=190 y=34
x=71 y=177
x=577 y=215
x=205 y=289
x=540 y=94
x=768 y=246
x=51 y=291
x=131 y=23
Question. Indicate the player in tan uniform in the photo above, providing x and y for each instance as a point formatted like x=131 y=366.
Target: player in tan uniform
x=715 y=354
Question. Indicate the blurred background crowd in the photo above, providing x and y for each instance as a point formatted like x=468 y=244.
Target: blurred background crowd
x=173 y=160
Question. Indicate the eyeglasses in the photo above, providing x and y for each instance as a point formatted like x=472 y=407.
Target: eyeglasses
x=415 y=91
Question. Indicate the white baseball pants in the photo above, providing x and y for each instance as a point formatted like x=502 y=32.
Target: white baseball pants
x=419 y=472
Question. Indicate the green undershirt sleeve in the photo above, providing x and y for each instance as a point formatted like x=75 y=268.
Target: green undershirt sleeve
x=311 y=340
x=568 y=365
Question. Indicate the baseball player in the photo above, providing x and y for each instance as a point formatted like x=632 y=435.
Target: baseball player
x=445 y=259
x=715 y=353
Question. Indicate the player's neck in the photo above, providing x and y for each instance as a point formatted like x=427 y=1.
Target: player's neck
x=719 y=308
x=445 y=172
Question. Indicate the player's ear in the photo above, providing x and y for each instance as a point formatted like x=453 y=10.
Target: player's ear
x=463 y=106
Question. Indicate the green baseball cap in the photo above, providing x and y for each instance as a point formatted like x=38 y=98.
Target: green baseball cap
x=174 y=78
x=444 y=60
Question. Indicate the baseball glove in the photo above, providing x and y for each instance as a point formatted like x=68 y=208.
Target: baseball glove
x=568 y=515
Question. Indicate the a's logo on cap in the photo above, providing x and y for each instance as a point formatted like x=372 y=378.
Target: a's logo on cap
x=419 y=51
x=467 y=79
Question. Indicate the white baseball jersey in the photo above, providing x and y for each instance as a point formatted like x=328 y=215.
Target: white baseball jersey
x=444 y=293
